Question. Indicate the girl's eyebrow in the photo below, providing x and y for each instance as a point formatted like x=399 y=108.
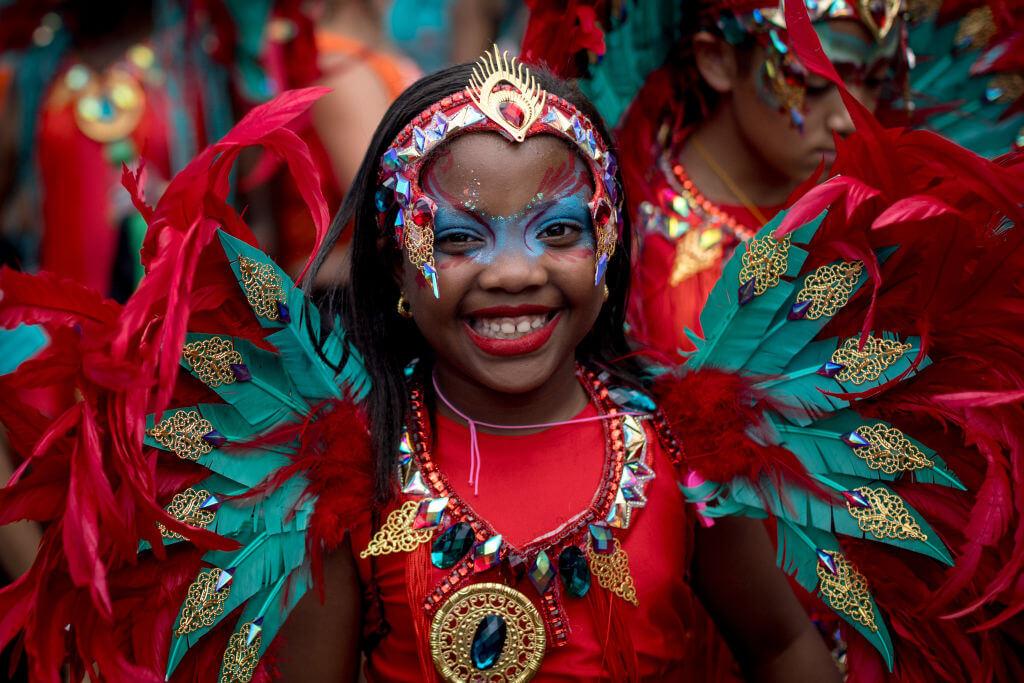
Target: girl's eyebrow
x=477 y=217
x=541 y=209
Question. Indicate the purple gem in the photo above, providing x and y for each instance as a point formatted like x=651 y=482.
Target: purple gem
x=830 y=369
x=855 y=440
x=254 y=630
x=577 y=129
x=438 y=127
x=798 y=311
x=403 y=190
x=612 y=187
x=211 y=503
x=215 y=438
x=225 y=578
x=827 y=560
x=419 y=139
x=602 y=266
x=240 y=371
x=856 y=499
x=747 y=291
x=542 y=572
x=283 y=313
x=602 y=538
x=610 y=165
x=390 y=159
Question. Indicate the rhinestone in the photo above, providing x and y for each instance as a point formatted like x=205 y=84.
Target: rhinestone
x=602 y=266
x=415 y=486
x=226 y=575
x=254 y=630
x=542 y=572
x=408 y=155
x=577 y=129
x=419 y=139
x=429 y=513
x=549 y=117
x=602 y=538
x=798 y=311
x=611 y=187
x=572 y=566
x=451 y=546
x=405 y=443
x=513 y=113
x=830 y=369
x=240 y=371
x=746 y=291
x=487 y=554
x=602 y=213
x=211 y=503
x=430 y=275
x=215 y=438
x=618 y=515
x=283 y=314
x=856 y=499
x=517 y=563
x=827 y=560
x=437 y=128
x=855 y=440
x=390 y=159
x=488 y=642
x=423 y=212
x=403 y=190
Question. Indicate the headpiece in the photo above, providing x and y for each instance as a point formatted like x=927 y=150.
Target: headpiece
x=766 y=22
x=503 y=97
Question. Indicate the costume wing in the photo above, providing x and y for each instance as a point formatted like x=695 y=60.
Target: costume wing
x=195 y=451
x=861 y=386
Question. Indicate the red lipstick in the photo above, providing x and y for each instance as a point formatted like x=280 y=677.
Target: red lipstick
x=528 y=343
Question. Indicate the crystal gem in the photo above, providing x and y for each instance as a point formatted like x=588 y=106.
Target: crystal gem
x=423 y=212
x=211 y=503
x=612 y=187
x=513 y=113
x=240 y=371
x=226 y=575
x=390 y=159
x=798 y=311
x=283 y=314
x=215 y=438
x=451 y=546
x=827 y=560
x=399 y=220
x=389 y=183
x=419 y=138
x=403 y=190
x=602 y=266
x=602 y=538
x=577 y=129
x=575 y=572
x=254 y=630
x=469 y=115
x=855 y=440
x=542 y=572
x=797 y=118
x=856 y=499
x=618 y=515
x=747 y=291
x=437 y=128
x=590 y=141
x=610 y=165
x=549 y=116
x=409 y=154
x=383 y=198
x=517 y=563
x=488 y=642
x=405 y=444
x=486 y=554
x=429 y=513
x=430 y=275
x=830 y=369
x=602 y=213
x=415 y=486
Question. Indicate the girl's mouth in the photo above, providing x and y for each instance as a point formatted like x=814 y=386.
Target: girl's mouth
x=511 y=335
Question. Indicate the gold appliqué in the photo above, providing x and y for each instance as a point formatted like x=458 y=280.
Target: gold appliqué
x=526 y=95
x=887 y=517
x=978 y=27
x=241 y=656
x=692 y=257
x=847 y=591
x=262 y=286
x=397 y=534
x=203 y=604
x=890 y=451
x=829 y=288
x=867 y=364
x=879 y=29
x=211 y=360
x=455 y=624
x=185 y=507
x=612 y=571
x=765 y=260
x=182 y=434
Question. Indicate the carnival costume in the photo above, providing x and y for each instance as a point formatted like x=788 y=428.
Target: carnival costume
x=854 y=385
x=958 y=76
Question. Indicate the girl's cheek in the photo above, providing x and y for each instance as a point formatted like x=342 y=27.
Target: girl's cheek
x=573 y=255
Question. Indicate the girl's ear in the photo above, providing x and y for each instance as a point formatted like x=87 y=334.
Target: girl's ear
x=716 y=61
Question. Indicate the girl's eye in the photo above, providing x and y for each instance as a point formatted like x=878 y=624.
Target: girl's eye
x=560 y=234
x=457 y=241
x=817 y=90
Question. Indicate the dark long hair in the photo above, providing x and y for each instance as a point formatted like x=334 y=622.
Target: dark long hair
x=367 y=304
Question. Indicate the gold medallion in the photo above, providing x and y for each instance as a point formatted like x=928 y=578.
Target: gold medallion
x=462 y=619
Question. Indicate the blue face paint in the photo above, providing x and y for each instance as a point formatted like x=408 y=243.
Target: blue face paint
x=544 y=226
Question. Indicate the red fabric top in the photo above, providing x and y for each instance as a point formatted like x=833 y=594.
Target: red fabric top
x=529 y=485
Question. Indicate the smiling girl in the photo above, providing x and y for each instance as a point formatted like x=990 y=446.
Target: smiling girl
x=468 y=476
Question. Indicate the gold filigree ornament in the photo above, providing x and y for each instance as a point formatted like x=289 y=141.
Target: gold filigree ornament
x=182 y=434
x=886 y=516
x=262 y=286
x=977 y=28
x=867 y=364
x=846 y=590
x=764 y=261
x=890 y=451
x=515 y=107
x=187 y=507
x=612 y=571
x=241 y=655
x=211 y=359
x=879 y=16
x=455 y=626
x=829 y=288
x=397 y=535
x=203 y=604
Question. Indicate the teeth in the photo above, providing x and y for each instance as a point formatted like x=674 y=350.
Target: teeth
x=508 y=328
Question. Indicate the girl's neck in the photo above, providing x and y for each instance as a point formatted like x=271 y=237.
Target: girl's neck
x=559 y=398
x=760 y=182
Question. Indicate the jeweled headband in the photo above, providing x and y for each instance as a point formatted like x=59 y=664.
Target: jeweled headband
x=503 y=97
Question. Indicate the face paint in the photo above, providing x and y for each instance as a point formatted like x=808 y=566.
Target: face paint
x=860 y=54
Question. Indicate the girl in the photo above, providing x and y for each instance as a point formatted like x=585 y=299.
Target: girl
x=466 y=468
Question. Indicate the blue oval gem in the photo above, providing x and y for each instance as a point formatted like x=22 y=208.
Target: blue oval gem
x=452 y=545
x=488 y=641
x=572 y=565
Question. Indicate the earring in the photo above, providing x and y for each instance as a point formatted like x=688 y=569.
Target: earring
x=404 y=309
x=606 y=292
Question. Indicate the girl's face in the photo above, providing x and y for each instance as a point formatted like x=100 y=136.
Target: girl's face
x=514 y=248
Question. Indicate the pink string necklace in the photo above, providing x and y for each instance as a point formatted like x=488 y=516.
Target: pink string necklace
x=474 y=444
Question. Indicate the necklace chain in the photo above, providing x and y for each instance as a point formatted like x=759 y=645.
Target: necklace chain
x=724 y=176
